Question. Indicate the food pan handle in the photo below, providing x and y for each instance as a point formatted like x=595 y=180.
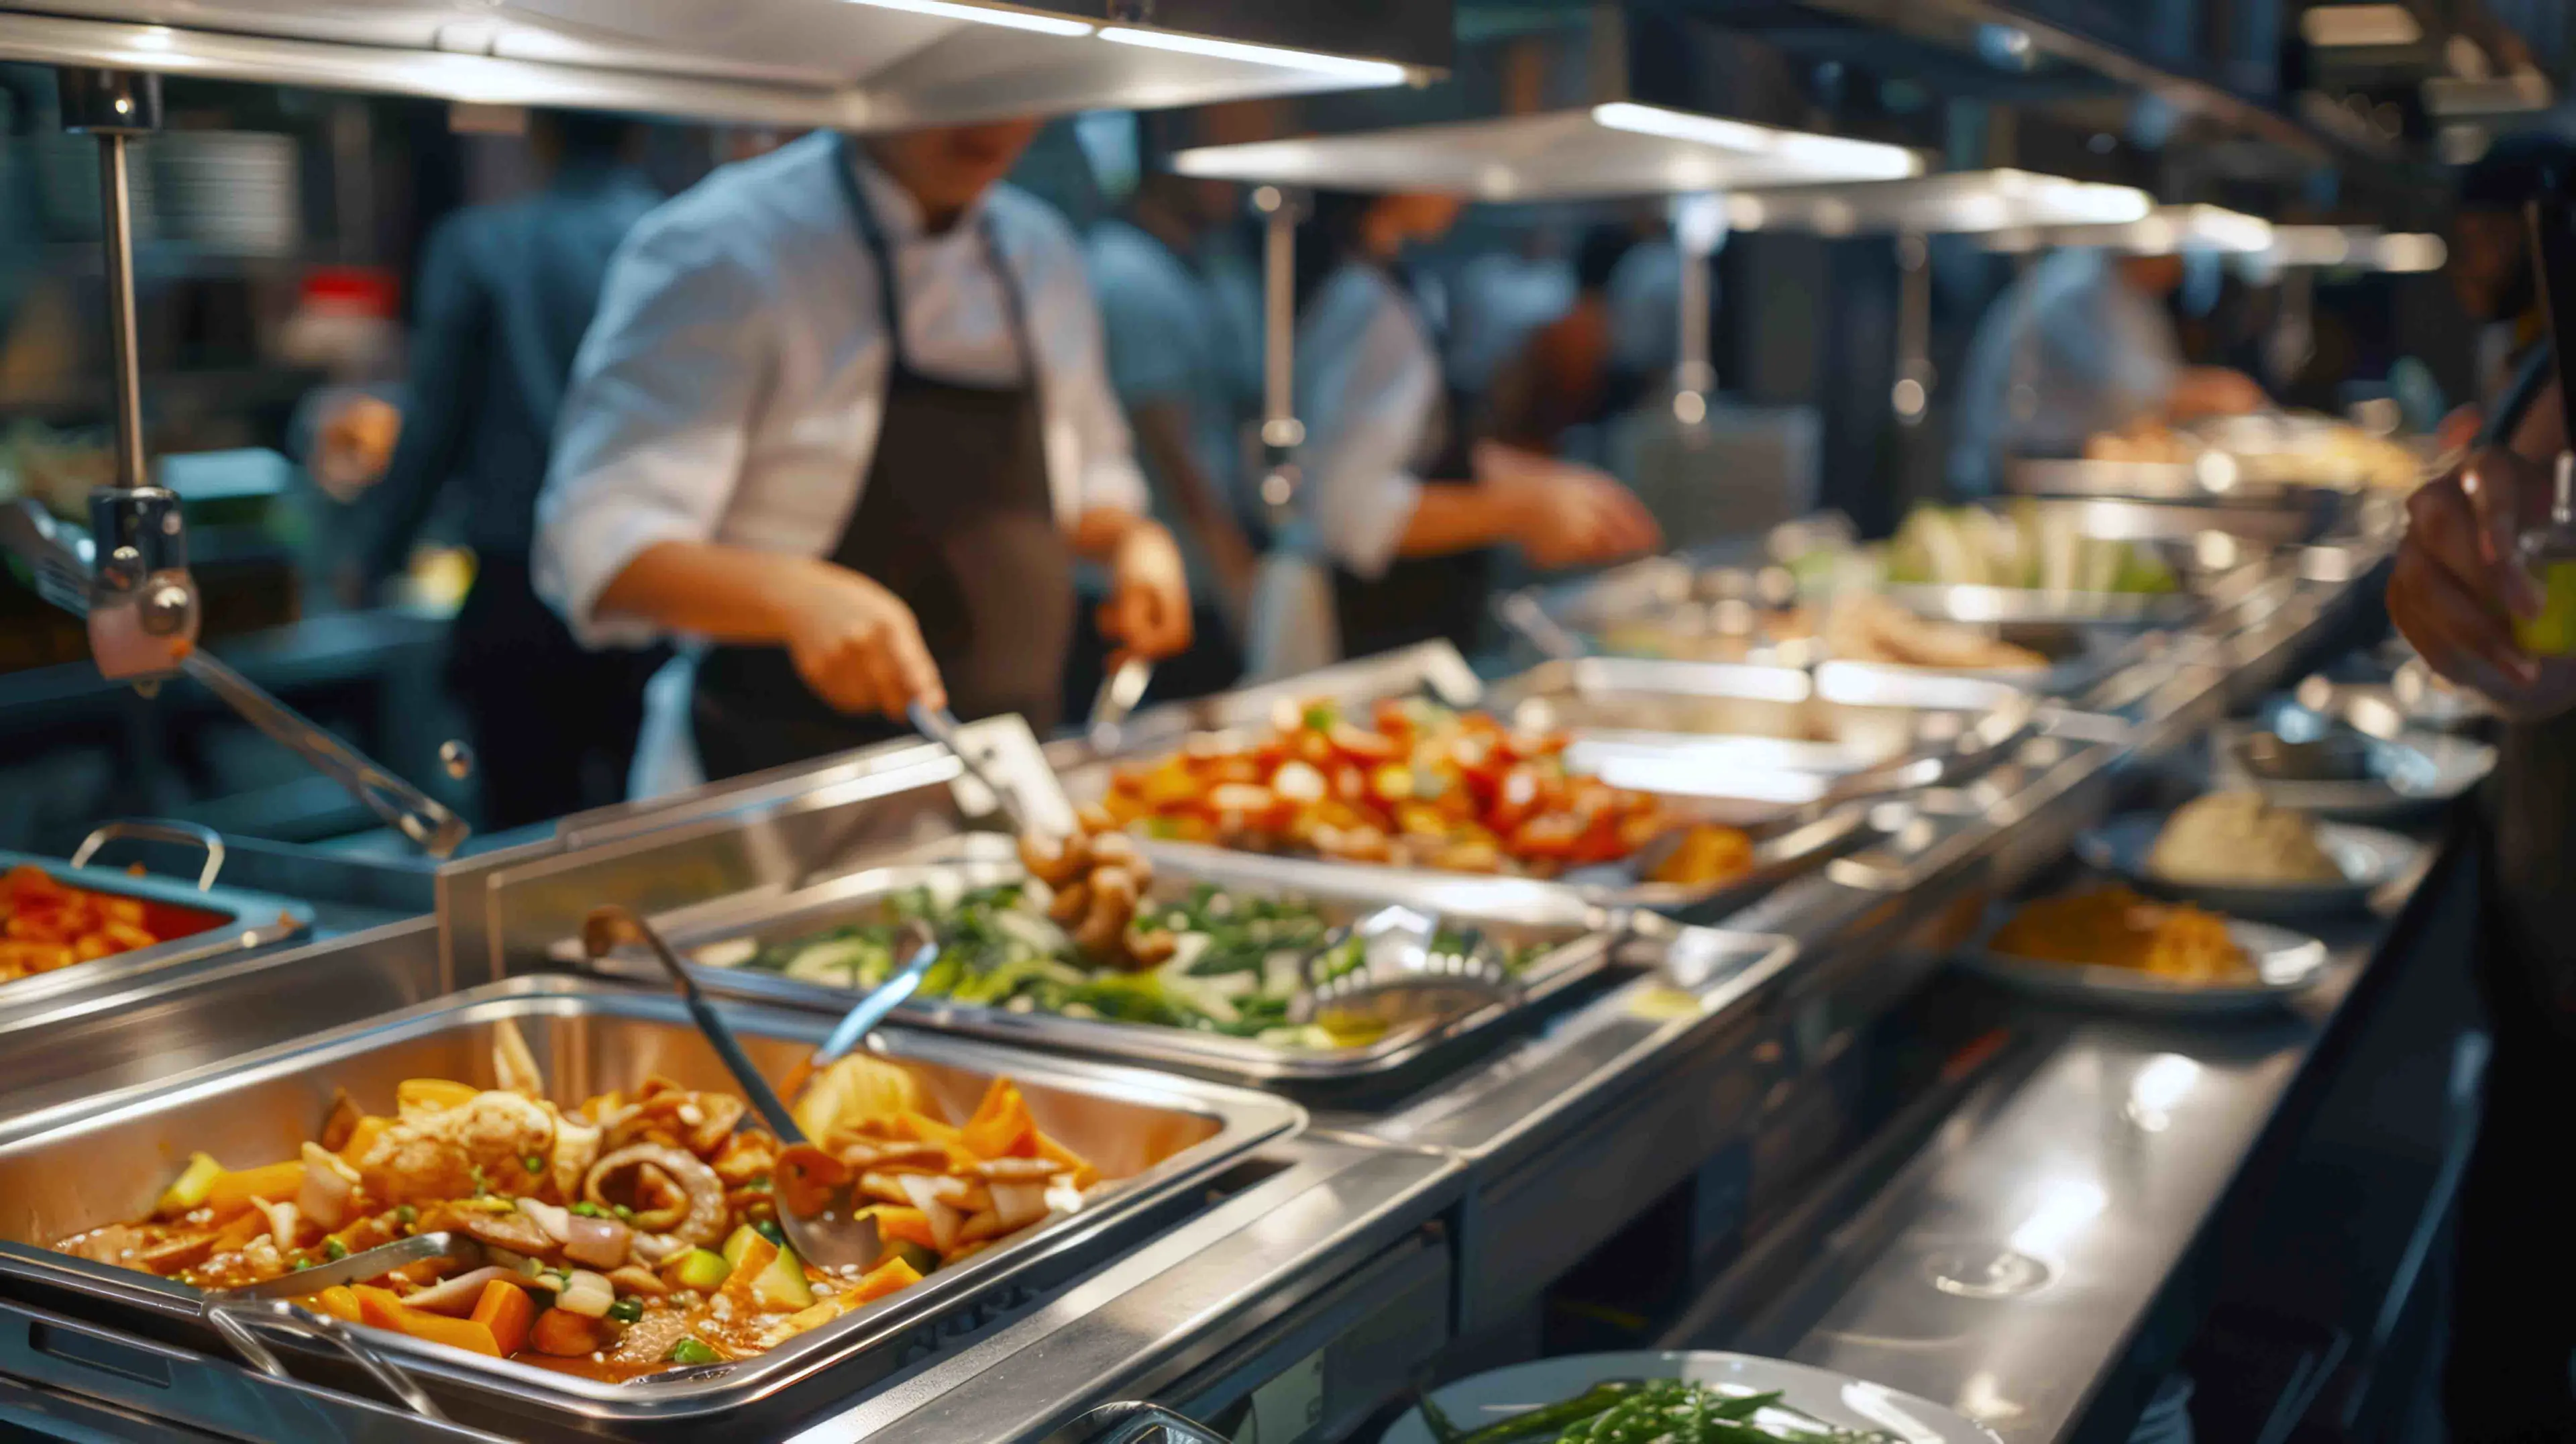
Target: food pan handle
x=186 y=834
x=239 y=1319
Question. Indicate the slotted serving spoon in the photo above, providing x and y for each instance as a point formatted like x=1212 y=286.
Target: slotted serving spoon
x=838 y=1238
x=1404 y=975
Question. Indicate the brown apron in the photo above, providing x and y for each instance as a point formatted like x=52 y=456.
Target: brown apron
x=955 y=518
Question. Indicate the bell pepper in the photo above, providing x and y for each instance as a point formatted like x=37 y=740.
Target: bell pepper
x=892 y=1276
x=1001 y=1127
x=340 y=1302
x=898 y=1224
x=233 y=1189
x=433 y=1094
x=190 y=1188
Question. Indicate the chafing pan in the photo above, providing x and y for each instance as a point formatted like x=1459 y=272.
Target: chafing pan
x=1152 y=1137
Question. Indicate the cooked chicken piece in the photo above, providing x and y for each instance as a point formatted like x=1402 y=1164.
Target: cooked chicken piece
x=438 y=1154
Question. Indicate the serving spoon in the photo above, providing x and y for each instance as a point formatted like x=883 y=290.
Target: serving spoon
x=838 y=1238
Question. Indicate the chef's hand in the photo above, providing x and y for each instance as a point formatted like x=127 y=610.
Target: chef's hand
x=1566 y=515
x=2458 y=584
x=2215 y=391
x=1148 y=611
x=858 y=646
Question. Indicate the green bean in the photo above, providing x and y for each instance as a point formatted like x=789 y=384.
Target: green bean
x=1551 y=1420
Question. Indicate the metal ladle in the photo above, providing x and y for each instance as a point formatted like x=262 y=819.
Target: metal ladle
x=1404 y=975
x=838 y=1239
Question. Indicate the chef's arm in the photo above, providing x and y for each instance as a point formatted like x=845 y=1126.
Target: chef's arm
x=723 y=593
x=1162 y=434
x=2214 y=391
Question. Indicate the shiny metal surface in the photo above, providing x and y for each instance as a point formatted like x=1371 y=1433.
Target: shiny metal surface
x=1614 y=149
x=801 y=63
x=1512 y=910
x=1152 y=1138
x=1174 y=1305
x=2004 y=1271
x=237 y=921
x=1946 y=203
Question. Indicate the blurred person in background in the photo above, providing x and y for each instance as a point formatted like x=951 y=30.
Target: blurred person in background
x=1568 y=372
x=844 y=419
x=1396 y=492
x=504 y=295
x=1172 y=362
x=2082 y=344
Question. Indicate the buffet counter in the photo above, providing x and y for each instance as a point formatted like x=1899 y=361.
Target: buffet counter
x=1776 y=1114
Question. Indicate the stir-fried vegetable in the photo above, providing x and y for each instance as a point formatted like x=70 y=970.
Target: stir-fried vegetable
x=1659 y=1411
x=1233 y=966
x=47 y=924
x=618 y=1231
x=1415 y=785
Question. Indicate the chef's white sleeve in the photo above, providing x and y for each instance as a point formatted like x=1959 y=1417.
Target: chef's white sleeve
x=656 y=424
x=1369 y=408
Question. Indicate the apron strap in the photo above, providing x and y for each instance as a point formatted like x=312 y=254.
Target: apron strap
x=872 y=235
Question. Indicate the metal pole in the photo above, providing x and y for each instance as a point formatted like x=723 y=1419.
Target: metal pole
x=1699 y=229
x=1281 y=431
x=125 y=378
x=1912 y=394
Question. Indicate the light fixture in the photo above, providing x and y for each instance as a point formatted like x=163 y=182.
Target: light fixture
x=2411 y=252
x=2342 y=26
x=1850 y=159
x=1007 y=19
x=1370 y=72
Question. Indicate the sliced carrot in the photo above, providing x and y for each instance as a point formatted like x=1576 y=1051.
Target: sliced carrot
x=892 y=1276
x=1084 y=1175
x=380 y=1309
x=567 y=1335
x=757 y=1255
x=1001 y=1127
x=233 y=1190
x=250 y=1225
x=897 y=1224
x=506 y=1310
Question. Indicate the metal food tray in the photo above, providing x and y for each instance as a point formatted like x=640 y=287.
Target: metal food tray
x=236 y=921
x=1788 y=841
x=1770 y=742
x=1578 y=934
x=1155 y=1139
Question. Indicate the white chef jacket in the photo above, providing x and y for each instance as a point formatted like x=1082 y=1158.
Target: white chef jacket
x=1369 y=392
x=2069 y=350
x=732 y=386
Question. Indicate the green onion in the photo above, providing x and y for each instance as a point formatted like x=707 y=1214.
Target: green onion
x=587 y=1209
x=768 y=1228
x=626 y=1310
x=690 y=1351
x=625 y=1213
x=406 y=1215
x=533 y=1163
x=334 y=1250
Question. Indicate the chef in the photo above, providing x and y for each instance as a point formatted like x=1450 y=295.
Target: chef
x=1398 y=495
x=844 y=420
x=2081 y=346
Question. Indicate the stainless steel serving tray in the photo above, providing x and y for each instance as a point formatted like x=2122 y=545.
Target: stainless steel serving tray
x=1768 y=741
x=1154 y=1138
x=1789 y=840
x=241 y=921
x=1578 y=936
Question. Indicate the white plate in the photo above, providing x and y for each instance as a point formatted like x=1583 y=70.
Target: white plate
x=2285 y=963
x=2418 y=771
x=2370 y=859
x=1490 y=1398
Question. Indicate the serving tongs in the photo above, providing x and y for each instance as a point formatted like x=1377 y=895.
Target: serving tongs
x=838 y=1238
x=1404 y=975
x=240 y=1314
x=62 y=577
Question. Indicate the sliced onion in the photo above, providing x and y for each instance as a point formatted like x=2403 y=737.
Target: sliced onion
x=324 y=1198
x=587 y=1294
x=281 y=1221
x=456 y=1296
x=599 y=1242
x=557 y=1222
